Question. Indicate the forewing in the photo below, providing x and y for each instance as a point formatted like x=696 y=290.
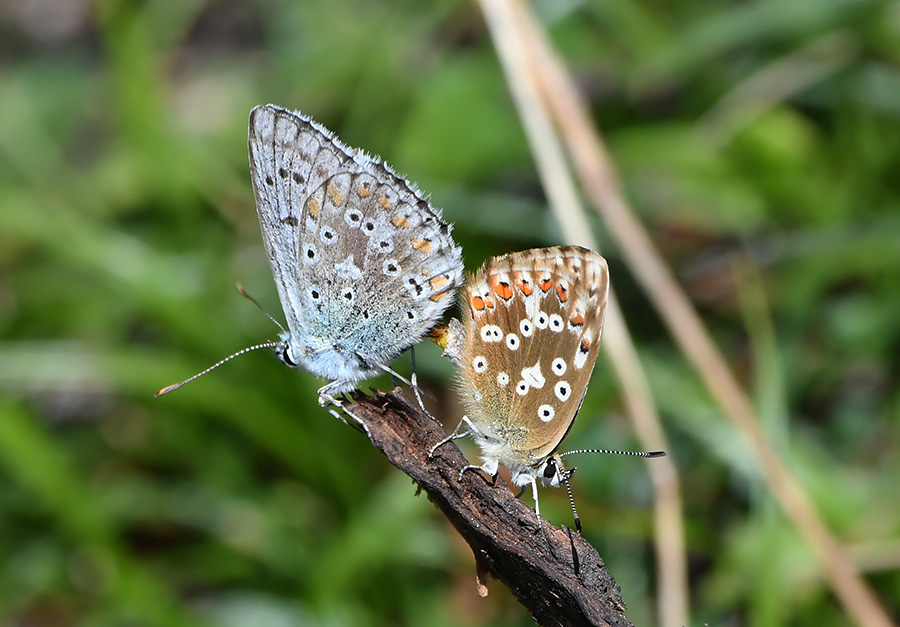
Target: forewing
x=532 y=331
x=372 y=263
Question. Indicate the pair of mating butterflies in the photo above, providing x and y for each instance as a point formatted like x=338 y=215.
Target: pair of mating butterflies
x=365 y=267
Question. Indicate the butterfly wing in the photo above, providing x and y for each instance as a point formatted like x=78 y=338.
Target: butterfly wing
x=531 y=337
x=371 y=265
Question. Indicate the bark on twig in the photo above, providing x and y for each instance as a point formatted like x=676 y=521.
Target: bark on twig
x=555 y=574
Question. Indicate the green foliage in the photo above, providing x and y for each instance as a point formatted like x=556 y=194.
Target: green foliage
x=126 y=216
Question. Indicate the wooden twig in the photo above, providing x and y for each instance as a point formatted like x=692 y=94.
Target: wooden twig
x=554 y=572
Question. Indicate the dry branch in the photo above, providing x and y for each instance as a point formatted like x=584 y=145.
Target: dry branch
x=556 y=574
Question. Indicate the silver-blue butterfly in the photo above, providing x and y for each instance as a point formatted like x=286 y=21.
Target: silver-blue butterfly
x=364 y=265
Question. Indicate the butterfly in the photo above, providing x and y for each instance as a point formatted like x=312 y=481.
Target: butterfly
x=363 y=264
x=525 y=351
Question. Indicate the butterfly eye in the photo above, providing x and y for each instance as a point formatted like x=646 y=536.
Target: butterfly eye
x=286 y=356
x=550 y=470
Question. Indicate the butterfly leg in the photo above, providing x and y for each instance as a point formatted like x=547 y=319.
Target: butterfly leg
x=464 y=428
x=490 y=467
x=328 y=402
x=396 y=376
x=414 y=384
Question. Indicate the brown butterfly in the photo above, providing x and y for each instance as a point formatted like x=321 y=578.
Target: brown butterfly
x=525 y=351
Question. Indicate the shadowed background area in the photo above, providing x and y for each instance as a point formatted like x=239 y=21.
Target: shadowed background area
x=758 y=141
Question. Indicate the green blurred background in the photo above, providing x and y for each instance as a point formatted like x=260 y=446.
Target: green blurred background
x=126 y=217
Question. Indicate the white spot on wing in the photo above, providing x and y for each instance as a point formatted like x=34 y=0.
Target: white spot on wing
x=559 y=366
x=512 y=342
x=532 y=376
x=479 y=364
x=562 y=390
x=580 y=357
x=556 y=323
x=546 y=413
x=348 y=270
x=502 y=379
x=526 y=327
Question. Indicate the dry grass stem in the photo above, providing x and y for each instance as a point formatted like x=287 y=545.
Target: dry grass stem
x=564 y=200
x=601 y=186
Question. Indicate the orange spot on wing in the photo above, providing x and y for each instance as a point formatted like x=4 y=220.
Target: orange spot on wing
x=503 y=290
x=314 y=207
x=423 y=245
x=545 y=285
x=577 y=320
x=438 y=282
x=400 y=221
x=585 y=346
x=336 y=197
x=437 y=297
x=562 y=293
x=384 y=202
x=365 y=191
x=478 y=303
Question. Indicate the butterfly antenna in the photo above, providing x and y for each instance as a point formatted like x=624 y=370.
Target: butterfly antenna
x=175 y=386
x=647 y=454
x=572 y=501
x=243 y=292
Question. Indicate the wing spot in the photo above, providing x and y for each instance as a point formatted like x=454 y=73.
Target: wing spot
x=502 y=379
x=422 y=245
x=269 y=180
x=559 y=366
x=524 y=287
x=479 y=364
x=526 y=327
x=327 y=235
x=546 y=413
x=282 y=173
x=503 y=290
x=556 y=323
x=542 y=320
x=353 y=217
x=291 y=221
x=563 y=391
x=512 y=342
